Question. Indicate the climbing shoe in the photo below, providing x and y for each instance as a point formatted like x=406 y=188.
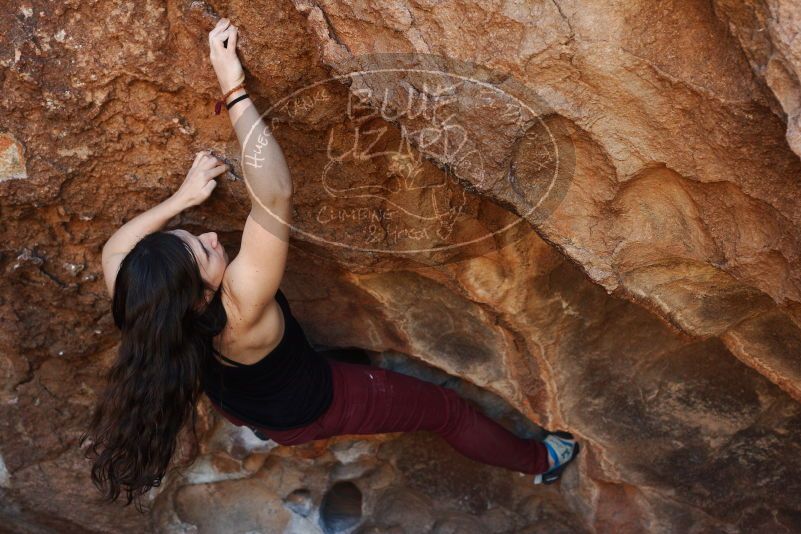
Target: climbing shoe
x=562 y=448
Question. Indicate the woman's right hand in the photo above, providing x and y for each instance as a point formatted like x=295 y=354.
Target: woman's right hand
x=224 y=59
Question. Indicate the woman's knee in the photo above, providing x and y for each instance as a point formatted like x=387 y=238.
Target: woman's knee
x=458 y=411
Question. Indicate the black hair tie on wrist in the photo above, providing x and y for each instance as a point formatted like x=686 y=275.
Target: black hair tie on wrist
x=235 y=100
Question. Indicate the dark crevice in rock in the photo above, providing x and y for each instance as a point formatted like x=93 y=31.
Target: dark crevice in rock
x=341 y=507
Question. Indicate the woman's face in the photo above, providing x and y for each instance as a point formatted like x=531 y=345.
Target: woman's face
x=211 y=255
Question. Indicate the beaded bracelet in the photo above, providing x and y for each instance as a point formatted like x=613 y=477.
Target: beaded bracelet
x=218 y=105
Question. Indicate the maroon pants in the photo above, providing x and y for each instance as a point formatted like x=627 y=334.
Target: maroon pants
x=373 y=400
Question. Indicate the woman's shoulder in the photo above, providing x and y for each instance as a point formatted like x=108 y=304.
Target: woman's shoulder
x=248 y=341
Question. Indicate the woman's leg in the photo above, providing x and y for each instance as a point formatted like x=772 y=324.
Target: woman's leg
x=373 y=400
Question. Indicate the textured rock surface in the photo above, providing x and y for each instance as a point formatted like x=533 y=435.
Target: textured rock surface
x=652 y=309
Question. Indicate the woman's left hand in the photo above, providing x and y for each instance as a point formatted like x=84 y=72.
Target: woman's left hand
x=199 y=182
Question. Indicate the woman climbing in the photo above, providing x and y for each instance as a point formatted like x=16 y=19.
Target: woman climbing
x=193 y=322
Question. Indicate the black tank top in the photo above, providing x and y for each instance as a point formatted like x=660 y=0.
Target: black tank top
x=288 y=388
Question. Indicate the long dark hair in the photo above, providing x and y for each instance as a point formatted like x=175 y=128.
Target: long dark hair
x=153 y=386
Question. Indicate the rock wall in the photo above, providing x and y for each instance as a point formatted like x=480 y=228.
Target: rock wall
x=650 y=305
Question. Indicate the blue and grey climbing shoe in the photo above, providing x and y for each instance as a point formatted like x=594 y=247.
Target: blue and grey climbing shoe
x=562 y=448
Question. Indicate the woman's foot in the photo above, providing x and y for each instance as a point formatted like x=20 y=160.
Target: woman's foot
x=562 y=449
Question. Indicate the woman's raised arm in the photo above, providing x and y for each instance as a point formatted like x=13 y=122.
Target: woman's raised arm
x=253 y=277
x=263 y=161
x=196 y=188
